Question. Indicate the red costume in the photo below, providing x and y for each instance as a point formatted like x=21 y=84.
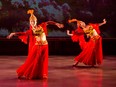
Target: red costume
x=91 y=50
x=36 y=64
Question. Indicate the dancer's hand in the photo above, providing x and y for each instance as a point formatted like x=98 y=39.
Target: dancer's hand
x=68 y=33
x=59 y=25
x=104 y=21
x=10 y=36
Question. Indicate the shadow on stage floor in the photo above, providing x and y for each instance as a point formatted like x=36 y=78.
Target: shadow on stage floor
x=60 y=73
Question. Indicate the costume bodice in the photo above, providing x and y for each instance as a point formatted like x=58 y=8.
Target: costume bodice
x=39 y=34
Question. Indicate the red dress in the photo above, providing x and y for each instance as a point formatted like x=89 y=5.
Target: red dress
x=36 y=64
x=91 y=53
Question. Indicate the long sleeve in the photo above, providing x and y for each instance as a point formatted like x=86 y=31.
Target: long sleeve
x=51 y=22
x=44 y=26
x=23 y=36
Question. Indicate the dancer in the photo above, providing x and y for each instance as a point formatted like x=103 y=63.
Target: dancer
x=90 y=42
x=36 y=64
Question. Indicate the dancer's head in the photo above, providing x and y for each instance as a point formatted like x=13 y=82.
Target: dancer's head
x=81 y=24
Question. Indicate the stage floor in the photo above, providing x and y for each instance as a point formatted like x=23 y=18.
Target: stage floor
x=60 y=73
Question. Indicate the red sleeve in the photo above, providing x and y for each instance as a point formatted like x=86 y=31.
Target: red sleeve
x=75 y=37
x=23 y=36
x=96 y=27
x=51 y=22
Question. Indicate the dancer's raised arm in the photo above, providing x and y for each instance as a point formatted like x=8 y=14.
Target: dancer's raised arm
x=104 y=22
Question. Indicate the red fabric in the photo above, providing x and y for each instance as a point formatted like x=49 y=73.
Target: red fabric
x=75 y=38
x=91 y=51
x=78 y=36
x=44 y=25
x=23 y=36
x=96 y=27
x=36 y=64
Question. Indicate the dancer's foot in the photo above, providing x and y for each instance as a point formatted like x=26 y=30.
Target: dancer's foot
x=19 y=77
x=75 y=64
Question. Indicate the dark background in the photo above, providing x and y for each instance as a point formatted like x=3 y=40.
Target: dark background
x=13 y=18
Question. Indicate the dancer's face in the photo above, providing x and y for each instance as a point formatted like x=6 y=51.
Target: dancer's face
x=33 y=23
x=82 y=24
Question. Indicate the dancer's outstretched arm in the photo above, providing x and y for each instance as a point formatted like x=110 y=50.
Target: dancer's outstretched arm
x=11 y=35
x=59 y=25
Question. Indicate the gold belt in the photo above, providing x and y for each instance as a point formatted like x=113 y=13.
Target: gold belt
x=41 y=42
x=95 y=37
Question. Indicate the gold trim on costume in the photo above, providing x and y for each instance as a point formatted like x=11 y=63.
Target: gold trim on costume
x=91 y=32
x=41 y=42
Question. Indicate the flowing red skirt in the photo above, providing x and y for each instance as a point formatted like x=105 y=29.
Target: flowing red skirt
x=36 y=64
x=91 y=53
